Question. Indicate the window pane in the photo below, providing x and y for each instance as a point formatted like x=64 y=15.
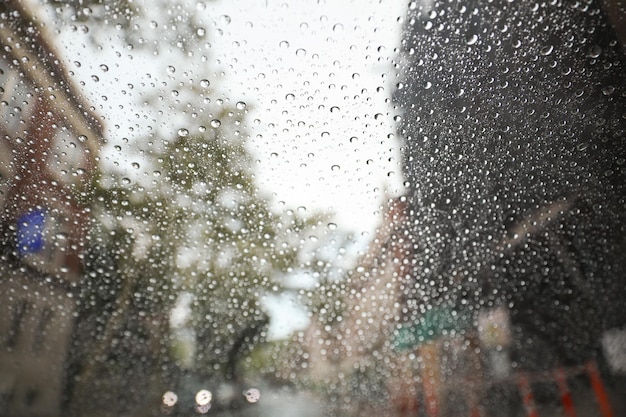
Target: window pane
x=312 y=208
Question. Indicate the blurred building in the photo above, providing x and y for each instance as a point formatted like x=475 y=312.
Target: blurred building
x=513 y=119
x=49 y=141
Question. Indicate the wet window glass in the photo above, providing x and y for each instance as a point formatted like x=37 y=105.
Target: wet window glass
x=313 y=208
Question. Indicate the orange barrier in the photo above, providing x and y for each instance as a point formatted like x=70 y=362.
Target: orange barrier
x=560 y=377
x=527 y=396
x=566 y=395
x=598 y=389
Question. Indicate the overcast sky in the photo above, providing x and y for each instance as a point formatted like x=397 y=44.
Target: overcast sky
x=315 y=76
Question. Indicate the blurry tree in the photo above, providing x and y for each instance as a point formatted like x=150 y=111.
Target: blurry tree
x=178 y=262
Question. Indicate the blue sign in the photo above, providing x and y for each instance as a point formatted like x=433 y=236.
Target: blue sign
x=30 y=232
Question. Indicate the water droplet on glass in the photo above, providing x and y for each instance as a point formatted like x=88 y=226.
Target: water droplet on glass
x=95 y=78
x=335 y=168
x=202 y=409
x=595 y=51
x=215 y=123
x=290 y=97
x=252 y=395
x=472 y=39
x=183 y=132
x=125 y=181
x=546 y=50
x=201 y=32
x=300 y=52
x=170 y=398
x=171 y=69
x=82 y=138
x=157 y=173
x=607 y=91
x=104 y=68
x=135 y=165
x=203 y=397
x=240 y=105
x=205 y=83
x=428 y=85
x=225 y=19
x=283 y=44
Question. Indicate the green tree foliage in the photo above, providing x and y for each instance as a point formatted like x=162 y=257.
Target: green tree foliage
x=201 y=229
x=194 y=235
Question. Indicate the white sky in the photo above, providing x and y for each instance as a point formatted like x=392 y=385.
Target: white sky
x=315 y=76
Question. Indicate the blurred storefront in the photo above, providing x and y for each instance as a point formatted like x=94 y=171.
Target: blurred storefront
x=48 y=148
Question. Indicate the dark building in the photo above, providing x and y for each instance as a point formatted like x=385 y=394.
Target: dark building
x=49 y=140
x=514 y=147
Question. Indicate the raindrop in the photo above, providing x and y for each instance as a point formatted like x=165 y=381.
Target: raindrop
x=205 y=83
x=82 y=138
x=290 y=97
x=283 y=44
x=135 y=165
x=95 y=78
x=171 y=69
x=215 y=123
x=595 y=51
x=607 y=91
x=240 y=105
x=182 y=132
x=335 y=168
x=225 y=19
x=332 y=226
x=334 y=109
x=472 y=40
x=202 y=409
x=252 y=395
x=300 y=52
x=201 y=32
x=170 y=398
x=546 y=50
x=203 y=397
x=157 y=173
